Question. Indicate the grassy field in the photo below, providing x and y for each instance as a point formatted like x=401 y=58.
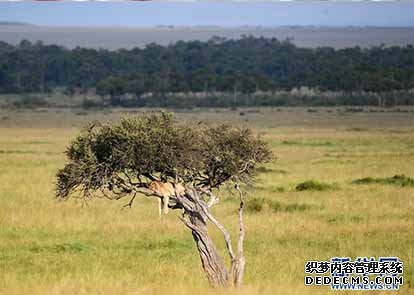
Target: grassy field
x=50 y=247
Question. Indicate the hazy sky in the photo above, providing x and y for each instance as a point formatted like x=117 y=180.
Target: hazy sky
x=397 y=13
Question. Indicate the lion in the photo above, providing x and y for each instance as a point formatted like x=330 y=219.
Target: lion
x=164 y=190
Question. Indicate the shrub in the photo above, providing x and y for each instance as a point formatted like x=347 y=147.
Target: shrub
x=397 y=180
x=255 y=205
x=289 y=142
x=278 y=189
x=29 y=101
x=354 y=110
x=297 y=207
x=307 y=143
x=275 y=206
x=89 y=103
x=263 y=169
x=314 y=185
x=356 y=129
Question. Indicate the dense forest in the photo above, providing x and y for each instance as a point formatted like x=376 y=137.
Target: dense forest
x=217 y=72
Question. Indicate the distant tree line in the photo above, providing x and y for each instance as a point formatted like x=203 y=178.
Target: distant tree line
x=233 y=68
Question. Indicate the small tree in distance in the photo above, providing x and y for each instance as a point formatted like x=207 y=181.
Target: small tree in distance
x=121 y=159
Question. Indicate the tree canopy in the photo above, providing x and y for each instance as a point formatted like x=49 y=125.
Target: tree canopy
x=247 y=64
x=114 y=160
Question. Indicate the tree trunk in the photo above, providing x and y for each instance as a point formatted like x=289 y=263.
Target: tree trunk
x=196 y=215
x=213 y=265
x=237 y=270
x=211 y=262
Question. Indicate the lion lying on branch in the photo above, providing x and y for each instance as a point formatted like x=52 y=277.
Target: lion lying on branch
x=165 y=190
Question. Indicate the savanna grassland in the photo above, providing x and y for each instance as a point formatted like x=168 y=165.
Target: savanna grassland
x=50 y=247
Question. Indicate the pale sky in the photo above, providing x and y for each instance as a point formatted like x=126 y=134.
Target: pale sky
x=223 y=13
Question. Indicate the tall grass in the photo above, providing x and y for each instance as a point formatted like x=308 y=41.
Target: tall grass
x=50 y=247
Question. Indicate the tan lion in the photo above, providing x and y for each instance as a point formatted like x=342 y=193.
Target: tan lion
x=164 y=190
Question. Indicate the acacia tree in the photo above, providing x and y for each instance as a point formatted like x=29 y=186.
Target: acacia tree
x=121 y=159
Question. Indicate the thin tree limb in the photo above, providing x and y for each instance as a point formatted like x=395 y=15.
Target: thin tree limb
x=129 y=204
x=223 y=230
x=240 y=260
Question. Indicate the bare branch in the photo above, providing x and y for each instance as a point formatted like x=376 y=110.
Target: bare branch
x=223 y=230
x=213 y=199
x=241 y=224
x=225 y=233
x=239 y=264
x=187 y=223
x=246 y=166
x=129 y=204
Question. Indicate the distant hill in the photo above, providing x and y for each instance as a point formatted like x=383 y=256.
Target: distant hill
x=10 y=23
x=129 y=37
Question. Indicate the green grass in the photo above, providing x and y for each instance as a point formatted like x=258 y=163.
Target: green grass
x=50 y=247
x=256 y=205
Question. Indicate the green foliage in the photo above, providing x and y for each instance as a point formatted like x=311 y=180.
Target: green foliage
x=115 y=159
x=397 y=180
x=235 y=68
x=314 y=185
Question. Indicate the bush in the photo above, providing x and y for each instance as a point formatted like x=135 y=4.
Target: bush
x=89 y=103
x=397 y=180
x=278 y=189
x=314 y=185
x=263 y=169
x=296 y=207
x=354 y=110
x=28 y=101
x=255 y=205
x=356 y=129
